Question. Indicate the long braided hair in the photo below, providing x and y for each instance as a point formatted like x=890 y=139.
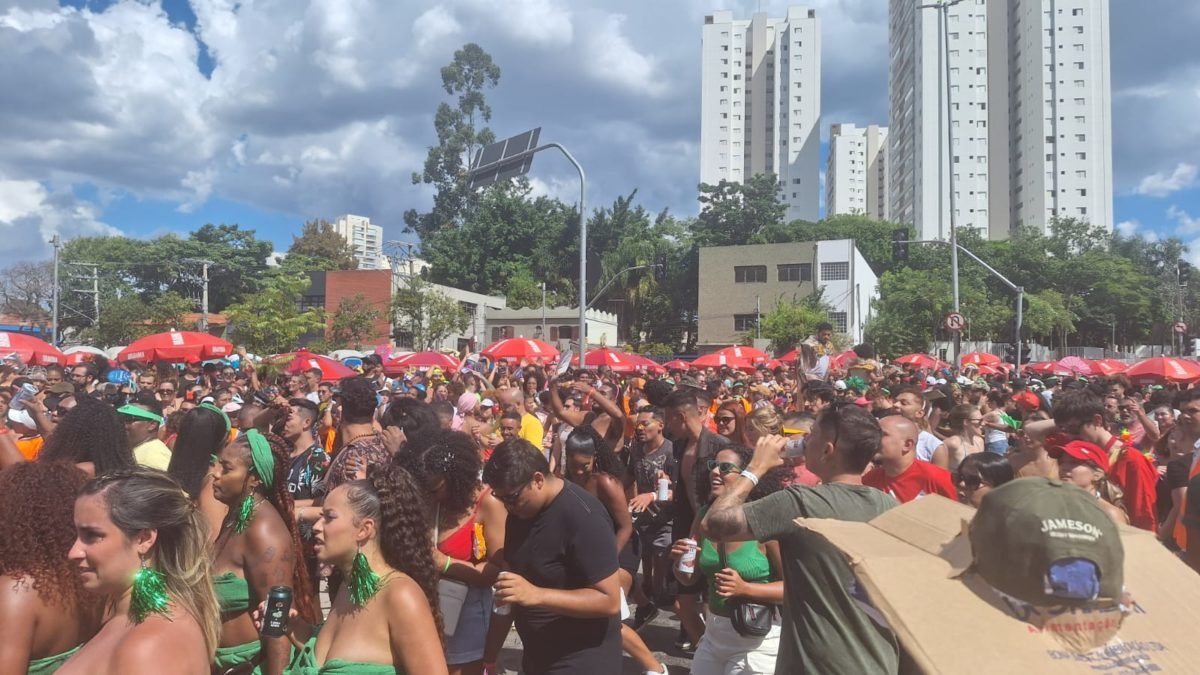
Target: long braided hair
x=302 y=593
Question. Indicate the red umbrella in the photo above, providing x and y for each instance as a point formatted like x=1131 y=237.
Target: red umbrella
x=1109 y=366
x=650 y=364
x=30 y=350
x=980 y=359
x=617 y=361
x=420 y=360
x=677 y=364
x=989 y=370
x=1164 y=369
x=520 y=349
x=842 y=360
x=176 y=346
x=740 y=352
x=742 y=358
x=1041 y=367
x=302 y=360
x=790 y=356
x=924 y=361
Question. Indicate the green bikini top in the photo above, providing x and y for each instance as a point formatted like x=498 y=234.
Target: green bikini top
x=233 y=593
x=305 y=663
x=51 y=664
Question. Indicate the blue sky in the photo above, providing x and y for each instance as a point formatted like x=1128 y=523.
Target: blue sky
x=142 y=118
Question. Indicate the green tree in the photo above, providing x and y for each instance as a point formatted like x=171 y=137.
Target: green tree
x=733 y=214
x=471 y=71
x=424 y=317
x=323 y=248
x=26 y=290
x=270 y=321
x=352 y=323
x=792 y=320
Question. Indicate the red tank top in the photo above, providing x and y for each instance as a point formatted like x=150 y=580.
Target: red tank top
x=461 y=544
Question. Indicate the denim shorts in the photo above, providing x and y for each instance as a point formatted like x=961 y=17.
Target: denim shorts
x=466 y=645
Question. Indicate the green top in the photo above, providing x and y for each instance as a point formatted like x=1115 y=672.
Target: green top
x=746 y=560
x=233 y=593
x=827 y=618
x=305 y=663
x=50 y=664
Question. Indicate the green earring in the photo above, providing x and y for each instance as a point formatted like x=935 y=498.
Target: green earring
x=149 y=593
x=244 y=513
x=364 y=583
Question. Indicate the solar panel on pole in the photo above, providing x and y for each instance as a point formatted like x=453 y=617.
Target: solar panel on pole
x=493 y=163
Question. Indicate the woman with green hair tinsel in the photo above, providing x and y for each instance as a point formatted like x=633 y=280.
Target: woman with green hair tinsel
x=258 y=547
x=384 y=619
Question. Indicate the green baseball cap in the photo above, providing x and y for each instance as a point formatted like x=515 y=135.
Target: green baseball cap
x=1047 y=542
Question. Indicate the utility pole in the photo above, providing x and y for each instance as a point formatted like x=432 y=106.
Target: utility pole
x=944 y=25
x=757 y=317
x=542 y=332
x=204 y=297
x=95 y=292
x=56 y=242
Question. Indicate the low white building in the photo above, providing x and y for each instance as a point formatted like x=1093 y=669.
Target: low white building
x=560 y=329
x=477 y=305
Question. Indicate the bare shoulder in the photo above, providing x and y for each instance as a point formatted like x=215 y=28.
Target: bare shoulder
x=17 y=593
x=403 y=597
x=176 y=639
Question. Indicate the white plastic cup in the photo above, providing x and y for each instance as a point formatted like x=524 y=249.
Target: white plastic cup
x=687 y=563
x=664 y=487
x=498 y=608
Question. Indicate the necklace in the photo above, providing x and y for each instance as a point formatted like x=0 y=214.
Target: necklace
x=356 y=438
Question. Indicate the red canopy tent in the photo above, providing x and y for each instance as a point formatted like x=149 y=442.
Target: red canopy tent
x=176 y=346
x=520 y=349
x=30 y=350
x=303 y=360
x=1164 y=369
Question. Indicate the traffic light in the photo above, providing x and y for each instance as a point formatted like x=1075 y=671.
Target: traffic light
x=1189 y=346
x=1010 y=354
x=900 y=245
x=660 y=266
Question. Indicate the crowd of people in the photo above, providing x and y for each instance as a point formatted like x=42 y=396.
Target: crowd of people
x=154 y=510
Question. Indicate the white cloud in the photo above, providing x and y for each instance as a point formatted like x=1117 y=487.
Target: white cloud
x=614 y=60
x=1133 y=228
x=31 y=213
x=435 y=26
x=1160 y=184
x=545 y=23
x=1185 y=223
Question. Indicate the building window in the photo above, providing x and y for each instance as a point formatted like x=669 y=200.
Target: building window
x=838 y=319
x=308 y=302
x=744 y=322
x=562 y=332
x=750 y=274
x=468 y=307
x=835 y=271
x=795 y=272
x=501 y=333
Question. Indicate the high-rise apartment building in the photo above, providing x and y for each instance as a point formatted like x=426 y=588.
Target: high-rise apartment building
x=761 y=103
x=1030 y=115
x=365 y=238
x=856 y=171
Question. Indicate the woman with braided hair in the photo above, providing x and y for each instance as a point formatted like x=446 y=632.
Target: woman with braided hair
x=44 y=614
x=384 y=618
x=257 y=548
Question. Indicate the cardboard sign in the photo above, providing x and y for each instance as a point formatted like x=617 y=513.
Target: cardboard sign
x=910 y=562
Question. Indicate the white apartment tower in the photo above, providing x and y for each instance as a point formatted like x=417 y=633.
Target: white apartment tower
x=761 y=103
x=856 y=171
x=366 y=240
x=1030 y=115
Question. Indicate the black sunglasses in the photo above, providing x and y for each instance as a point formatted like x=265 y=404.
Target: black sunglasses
x=971 y=481
x=724 y=467
x=511 y=498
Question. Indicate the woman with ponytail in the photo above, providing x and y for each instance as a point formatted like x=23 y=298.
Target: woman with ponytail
x=203 y=431
x=257 y=548
x=384 y=618
x=142 y=548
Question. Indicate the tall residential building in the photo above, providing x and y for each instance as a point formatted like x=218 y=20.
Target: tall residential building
x=365 y=238
x=761 y=103
x=1030 y=115
x=856 y=171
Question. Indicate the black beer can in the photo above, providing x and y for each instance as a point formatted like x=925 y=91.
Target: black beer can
x=279 y=605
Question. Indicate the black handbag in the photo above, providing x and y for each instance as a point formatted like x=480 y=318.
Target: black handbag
x=749 y=619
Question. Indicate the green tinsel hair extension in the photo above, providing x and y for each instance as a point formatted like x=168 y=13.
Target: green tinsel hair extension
x=364 y=583
x=244 y=513
x=149 y=594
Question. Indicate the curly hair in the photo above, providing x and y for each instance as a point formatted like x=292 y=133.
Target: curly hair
x=358 y=400
x=91 y=432
x=411 y=415
x=587 y=441
x=202 y=434
x=391 y=496
x=37 y=500
x=281 y=499
x=449 y=455
x=772 y=481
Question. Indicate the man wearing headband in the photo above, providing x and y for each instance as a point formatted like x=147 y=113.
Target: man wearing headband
x=143 y=417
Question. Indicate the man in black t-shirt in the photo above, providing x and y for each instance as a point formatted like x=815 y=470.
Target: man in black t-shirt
x=562 y=566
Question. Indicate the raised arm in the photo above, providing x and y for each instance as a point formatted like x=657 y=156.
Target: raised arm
x=574 y=418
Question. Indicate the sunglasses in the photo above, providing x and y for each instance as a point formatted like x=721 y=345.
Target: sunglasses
x=511 y=498
x=724 y=467
x=971 y=482
x=167 y=392
x=724 y=419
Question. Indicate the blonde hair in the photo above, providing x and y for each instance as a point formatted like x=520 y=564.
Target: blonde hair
x=765 y=420
x=141 y=499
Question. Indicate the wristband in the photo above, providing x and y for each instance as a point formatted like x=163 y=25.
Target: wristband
x=749 y=475
x=447 y=565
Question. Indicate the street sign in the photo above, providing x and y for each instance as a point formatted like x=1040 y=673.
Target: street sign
x=954 y=321
x=1179 y=327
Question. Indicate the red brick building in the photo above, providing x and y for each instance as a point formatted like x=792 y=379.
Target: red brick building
x=327 y=289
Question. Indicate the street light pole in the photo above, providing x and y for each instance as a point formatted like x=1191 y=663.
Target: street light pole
x=57 y=243
x=944 y=24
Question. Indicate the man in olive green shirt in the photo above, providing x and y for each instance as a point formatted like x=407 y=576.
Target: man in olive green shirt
x=828 y=624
